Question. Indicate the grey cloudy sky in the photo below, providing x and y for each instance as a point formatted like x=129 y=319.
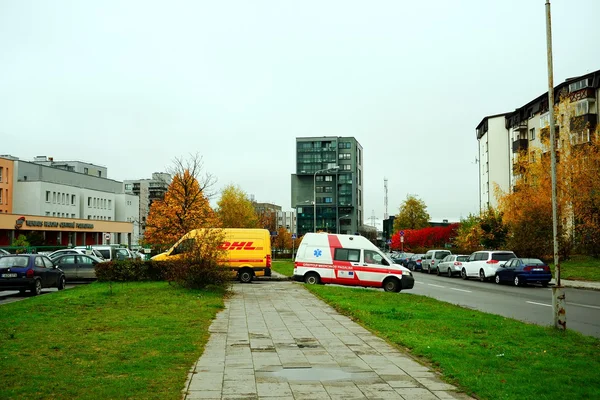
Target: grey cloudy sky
x=133 y=84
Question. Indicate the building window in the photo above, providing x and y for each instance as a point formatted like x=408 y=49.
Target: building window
x=85 y=170
x=47 y=196
x=53 y=197
x=110 y=204
x=328 y=178
x=89 y=217
x=47 y=213
x=532 y=134
x=359 y=177
x=344 y=156
x=344 y=145
x=53 y=213
x=319 y=178
x=89 y=202
x=584 y=106
x=0 y=196
x=128 y=186
x=328 y=189
x=72 y=215
x=346 y=167
x=573 y=87
x=72 y=199
x=328 y=200
x=99 y=174
x=1 y=170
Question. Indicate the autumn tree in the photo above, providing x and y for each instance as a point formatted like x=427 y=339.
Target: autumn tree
x=283 y=240
x=469 y=234
x=413 y=214
x=493 y=230
x=185 y=206
x=235 y=209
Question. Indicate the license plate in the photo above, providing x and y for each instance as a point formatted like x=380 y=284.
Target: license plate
x=538 y=269
x=9 y=275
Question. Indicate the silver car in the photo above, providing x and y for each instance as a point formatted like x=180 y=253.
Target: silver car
x=452 y=265
x=431 y=259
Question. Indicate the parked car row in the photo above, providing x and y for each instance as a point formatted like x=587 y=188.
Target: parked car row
x=497 y=265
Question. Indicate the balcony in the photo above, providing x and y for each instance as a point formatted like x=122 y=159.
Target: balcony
x=586 y=121
x=519 y=168
x=520 y=145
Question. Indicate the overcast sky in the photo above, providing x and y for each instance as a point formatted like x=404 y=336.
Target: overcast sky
x=133 y=84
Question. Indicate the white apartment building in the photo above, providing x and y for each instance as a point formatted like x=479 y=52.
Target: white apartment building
x=503 y=137
x=147 y=190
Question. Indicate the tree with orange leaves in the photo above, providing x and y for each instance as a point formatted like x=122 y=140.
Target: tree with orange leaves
x=184 y=207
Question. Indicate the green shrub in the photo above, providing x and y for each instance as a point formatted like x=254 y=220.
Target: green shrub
x=197 y=273
x=131 y=271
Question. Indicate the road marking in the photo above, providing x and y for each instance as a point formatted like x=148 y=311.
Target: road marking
x=431 y=284
x=461 y=290
x=420 y=283
x=539 y=304
x=582 y=305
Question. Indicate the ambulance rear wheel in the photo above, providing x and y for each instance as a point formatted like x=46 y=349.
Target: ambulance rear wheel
x=245 y=275
x=312 y=278
x=391 y=285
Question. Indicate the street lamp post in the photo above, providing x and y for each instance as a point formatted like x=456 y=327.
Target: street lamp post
x=336 y=167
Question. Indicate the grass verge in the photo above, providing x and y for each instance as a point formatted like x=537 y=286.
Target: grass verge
x=133 y=340
x=580 y=268
x=284 y=267
x=484 y=354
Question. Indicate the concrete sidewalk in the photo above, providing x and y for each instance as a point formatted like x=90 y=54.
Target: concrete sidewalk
x=275 y=340
x=578 y=284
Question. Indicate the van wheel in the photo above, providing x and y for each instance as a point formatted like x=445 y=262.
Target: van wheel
x=391 y=285
x=312 y=278
x=482 y=277
x=245 y=275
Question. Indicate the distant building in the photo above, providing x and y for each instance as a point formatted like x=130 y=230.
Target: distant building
x=281 y=219
x=338 y=192
x=148 y=190
x=63 y=205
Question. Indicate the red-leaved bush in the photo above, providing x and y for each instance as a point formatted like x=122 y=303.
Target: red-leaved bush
x=425 y=238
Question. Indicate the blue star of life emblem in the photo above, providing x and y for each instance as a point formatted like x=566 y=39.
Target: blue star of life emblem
x=318 y=253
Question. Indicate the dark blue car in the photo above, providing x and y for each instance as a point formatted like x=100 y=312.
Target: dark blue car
x=29 y=272
x=521 y=271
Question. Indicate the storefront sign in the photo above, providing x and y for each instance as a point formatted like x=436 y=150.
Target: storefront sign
x=55 y=224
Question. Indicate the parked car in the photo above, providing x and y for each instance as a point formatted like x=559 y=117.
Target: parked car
x=76 y=250
x=404 y=259
x=521 y=271
x=484 y=264
x=414 y=262
x=29 y=272
x=78 y=267
x=431 y=259
x=452 y=264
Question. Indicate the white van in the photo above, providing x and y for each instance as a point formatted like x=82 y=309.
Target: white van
x=348 y=260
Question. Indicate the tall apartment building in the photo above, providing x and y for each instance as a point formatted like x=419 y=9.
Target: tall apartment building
x=338 y=191
x=147 y=190
x=64 y=206
x=503 y=138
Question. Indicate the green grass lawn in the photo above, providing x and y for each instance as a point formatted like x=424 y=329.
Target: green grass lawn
x=487 y=355
x=580 y=268
x=284 y=267
x=134 y=341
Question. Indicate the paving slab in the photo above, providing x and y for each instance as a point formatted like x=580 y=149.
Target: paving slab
x=275 y=340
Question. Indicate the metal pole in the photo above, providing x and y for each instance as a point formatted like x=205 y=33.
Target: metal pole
x=558 y=293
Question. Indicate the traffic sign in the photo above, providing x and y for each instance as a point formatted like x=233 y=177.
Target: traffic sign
x=401 y=233
x=401 y=239
x=293 y=236
x=107 y=236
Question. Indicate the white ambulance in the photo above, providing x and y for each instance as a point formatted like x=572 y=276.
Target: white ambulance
x=348 y=260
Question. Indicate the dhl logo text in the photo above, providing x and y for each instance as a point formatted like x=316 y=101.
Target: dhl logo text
x=237 y=246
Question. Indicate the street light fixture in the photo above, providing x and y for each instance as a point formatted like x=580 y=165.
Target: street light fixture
x=336 y=167
x=339 y=219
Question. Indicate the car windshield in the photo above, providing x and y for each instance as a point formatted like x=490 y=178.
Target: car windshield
x=462 y=258
x=14 y=261
x=105 y=253
x=532 y=261
x=503 y=256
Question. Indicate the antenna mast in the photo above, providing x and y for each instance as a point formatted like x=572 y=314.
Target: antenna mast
x=385 y=199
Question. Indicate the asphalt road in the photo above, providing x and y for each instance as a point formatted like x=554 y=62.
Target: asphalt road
x=10 y=296
x=527 y=303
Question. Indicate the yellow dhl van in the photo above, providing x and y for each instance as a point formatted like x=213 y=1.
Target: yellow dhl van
x=248 y=251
